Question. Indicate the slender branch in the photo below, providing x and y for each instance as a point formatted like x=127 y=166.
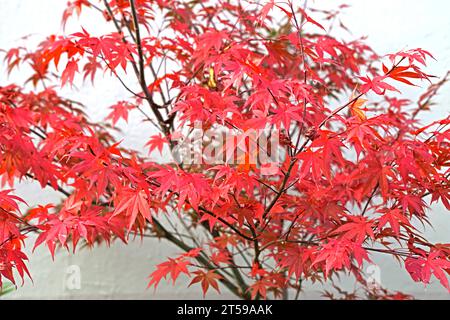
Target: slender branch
x=60 y=189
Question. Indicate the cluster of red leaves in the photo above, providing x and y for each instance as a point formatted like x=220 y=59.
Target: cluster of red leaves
x=354 y=179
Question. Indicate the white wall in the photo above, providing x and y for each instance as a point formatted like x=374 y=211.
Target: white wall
x=122 y=271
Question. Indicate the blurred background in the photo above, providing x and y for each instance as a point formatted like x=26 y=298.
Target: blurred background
x=121 y=272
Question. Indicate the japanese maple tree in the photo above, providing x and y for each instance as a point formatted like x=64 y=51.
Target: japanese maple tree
x=356 y=174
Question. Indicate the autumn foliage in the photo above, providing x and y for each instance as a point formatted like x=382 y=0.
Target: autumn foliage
x=358 y=170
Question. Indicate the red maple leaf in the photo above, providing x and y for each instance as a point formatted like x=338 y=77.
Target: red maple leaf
x=436 y=262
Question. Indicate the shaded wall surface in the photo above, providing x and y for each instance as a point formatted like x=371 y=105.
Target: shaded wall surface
x=121 y=271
